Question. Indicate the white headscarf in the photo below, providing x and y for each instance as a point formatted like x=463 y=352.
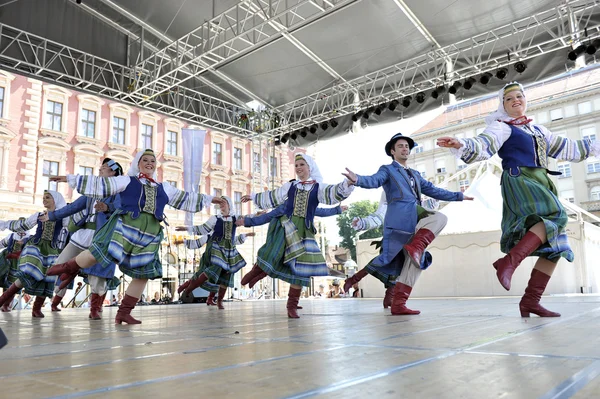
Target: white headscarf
x=231 y=205
x=134 y=169
x=59 y=201
x=315 y=173
x=500 y=114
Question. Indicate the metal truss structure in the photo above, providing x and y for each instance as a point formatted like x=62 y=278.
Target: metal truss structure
x=541 y=33
x=162 y=78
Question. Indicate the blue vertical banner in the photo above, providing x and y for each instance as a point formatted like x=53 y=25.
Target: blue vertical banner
x=193 y=156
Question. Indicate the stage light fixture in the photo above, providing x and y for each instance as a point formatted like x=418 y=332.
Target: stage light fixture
x=593 y=47
x=420 y=98
x=469 y=83
x=377 y=110
x=324 y=125
x=333 y=123
x=367 y=113
x=277 y=141
x=454 y=88
x=501 y=73
x=356 y=116
x=406 y=101
x=393 y=104
x=575 y=53
x=304 y=132
x=485 y=78
x=435 y=94
x=285 y=138
x=520 y=67
x=313 y=129
x=78 y=1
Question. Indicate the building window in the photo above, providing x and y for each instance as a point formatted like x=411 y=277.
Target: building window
x=118 y=136
x=595 y=193
x=463 y=185
x=421 y=169
x=593 y=166
x=589 y=133
x=584 y=108
x=88 y=123
x=418 y=149
x=54 y=115
x=237 y=158
x=273 y=167
x=86 y=170
x=217 y=158
x=568 y=195
x=218 y=193
x=237 y=201
x=556 y=114
x=172 y=183
x=171 y=143
x=51 y=169
x=460 y=164
x=256 y=162
x=565 y=169
x=440 y=166
x=146 y=136
x=1 y=102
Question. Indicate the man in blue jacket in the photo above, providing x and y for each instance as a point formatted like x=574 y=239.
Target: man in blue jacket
x=408 y=227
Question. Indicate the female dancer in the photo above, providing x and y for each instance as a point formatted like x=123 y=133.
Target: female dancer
x=9 y=262
x=88 y=216
x=291 y=252
x=132 y=235
x=221 y=260
x=39 y=253
x=533 y=219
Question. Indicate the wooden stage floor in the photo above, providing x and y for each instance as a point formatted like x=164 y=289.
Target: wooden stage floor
x=340 y=348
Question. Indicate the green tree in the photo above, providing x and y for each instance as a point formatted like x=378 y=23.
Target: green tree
x=344 y=221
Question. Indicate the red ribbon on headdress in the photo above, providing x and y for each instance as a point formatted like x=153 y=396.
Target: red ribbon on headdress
x=145 y=176
x=521 y=120
x=307 y=182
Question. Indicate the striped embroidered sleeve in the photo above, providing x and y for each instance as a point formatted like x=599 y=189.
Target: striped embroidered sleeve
x=23 y=225
x=96 y=186
x=485 y=145
x=331 y=194
x=569 y=150
x=185 y=200
x=273 y=198
x=196 y=244
x=240 y=239
x=205 y=228
x=4 y=242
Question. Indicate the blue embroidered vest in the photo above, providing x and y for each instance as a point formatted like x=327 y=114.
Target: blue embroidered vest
x=133 y=199
x=51 y=235
x=523 y=149
x=221 y=232
x=304 y=202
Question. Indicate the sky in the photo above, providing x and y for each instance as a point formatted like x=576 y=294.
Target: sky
x=362 y=152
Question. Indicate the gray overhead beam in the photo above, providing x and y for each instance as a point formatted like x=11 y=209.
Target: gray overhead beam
x=39 y=57
x=544 y=32
x=228 y=36
x=156 y=33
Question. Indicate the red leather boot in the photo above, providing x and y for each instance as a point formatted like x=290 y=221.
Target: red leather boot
x=37 y=306
x=530 y=303
x=55 y=302
x=416 y=247
x=7 y=307
x=506 y=266
x=292 y=303
x=8 y=295
x=192 y=284
x=252 y=274
x=101 y=302
x=401 y=294
x=222 y=291
x=124 y=312
x=210 y=301
x=389 y=297
x=257 y=278
x=95 y=307
x=359 y=275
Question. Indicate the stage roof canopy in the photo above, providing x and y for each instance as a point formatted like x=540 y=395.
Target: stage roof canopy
x=307 y=61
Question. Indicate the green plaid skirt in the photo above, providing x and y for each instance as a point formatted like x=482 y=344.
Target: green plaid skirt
x=133 y=244
x=291 y=252
x=530 y=198
x=34 y=262
x=216 y=274
x=8 y=270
